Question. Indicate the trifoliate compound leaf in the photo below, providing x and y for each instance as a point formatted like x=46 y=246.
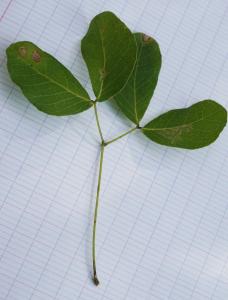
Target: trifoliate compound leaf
x=194 y=127
x=135 y=97
x=109 y=50
x=45 y=81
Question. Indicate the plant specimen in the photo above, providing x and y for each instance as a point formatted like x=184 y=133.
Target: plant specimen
x=123 y=66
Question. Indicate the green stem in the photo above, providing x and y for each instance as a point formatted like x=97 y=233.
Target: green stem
x=97 y=121
x=120 y=136
x=95 y=279
x=103 y=144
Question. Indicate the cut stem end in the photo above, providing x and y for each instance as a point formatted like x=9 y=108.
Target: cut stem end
x=95 y=279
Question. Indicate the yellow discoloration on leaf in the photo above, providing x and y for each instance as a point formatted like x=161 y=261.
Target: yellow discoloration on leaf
x=22 y=51
x=175 y=134
x=103 y=74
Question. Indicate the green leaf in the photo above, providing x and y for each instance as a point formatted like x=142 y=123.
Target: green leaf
x=194 y=127
x=135 y=97
x=109 y=50
x=45 y=81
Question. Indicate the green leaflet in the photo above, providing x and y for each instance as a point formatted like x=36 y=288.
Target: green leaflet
x=109 y=50
x=194 y=127
x=45 y=81
x=135 y=97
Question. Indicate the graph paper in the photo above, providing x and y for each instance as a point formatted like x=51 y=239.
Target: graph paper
x=163 y=219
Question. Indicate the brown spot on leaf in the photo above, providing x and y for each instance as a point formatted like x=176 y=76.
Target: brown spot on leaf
x=147 y=38
x=36 y=56
x=103 y=74
x=22 y=51
x=175 y=134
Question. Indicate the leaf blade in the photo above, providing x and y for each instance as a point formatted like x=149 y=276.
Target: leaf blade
x=109 y=50
x=190 y=128
x=135 y=97
x=44 y=81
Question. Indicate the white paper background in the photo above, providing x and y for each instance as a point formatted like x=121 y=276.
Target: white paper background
x=163 y=220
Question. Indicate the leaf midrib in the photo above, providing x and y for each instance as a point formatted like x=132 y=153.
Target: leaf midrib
x=104 y=62
x=139 y=52
x=57 y=83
